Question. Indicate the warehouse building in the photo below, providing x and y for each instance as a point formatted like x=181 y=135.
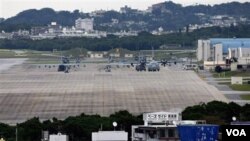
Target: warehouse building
x=216 y=51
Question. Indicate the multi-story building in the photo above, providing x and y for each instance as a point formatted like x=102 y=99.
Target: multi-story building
x=54 y=28
x=38 y=30
x=127 y=9
x=84 y=24
x=203 y=50
x=21 y=34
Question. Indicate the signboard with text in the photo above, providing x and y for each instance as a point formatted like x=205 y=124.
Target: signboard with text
x=160 y=117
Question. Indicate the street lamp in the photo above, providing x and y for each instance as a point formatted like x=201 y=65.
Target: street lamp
x=217 y=58
x=234 y=118
x=114 y=124
x=16 y=132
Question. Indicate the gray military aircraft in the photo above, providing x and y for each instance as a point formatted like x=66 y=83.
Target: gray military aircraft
x=65 y=65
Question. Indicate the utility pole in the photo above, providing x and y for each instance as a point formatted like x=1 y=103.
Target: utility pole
x=217 y=59
x=101 y=127
x=153 y=55
x=190 y=55
x=16 y=133
x=214 y=58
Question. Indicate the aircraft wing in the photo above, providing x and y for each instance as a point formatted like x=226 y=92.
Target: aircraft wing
x=56 y=65
x=119 y=64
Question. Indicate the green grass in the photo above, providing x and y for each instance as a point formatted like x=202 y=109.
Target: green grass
x=245 y=97
x=164 y=55
x=224 y=83
x=6 y=54
x=26 y=54
x=244 y=87
x=231 y=73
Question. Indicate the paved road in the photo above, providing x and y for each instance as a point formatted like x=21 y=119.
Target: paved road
x=6 y=64
x=226 y=90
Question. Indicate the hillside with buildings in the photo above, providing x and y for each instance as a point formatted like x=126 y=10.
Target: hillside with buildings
x=160 y=25
x=144 y=40
x=160 y=18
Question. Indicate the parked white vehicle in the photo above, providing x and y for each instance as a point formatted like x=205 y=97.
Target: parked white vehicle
x=190 y=67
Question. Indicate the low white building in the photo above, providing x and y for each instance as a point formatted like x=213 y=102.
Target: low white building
x=244 y=61
x=4 y=35
x=209 y=65
x=128 y=55
x=58 y=137
x=96 y=55
x=110 y=136
x=114 y=54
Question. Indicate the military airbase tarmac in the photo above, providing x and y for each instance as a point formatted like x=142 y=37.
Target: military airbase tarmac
x=28 y=91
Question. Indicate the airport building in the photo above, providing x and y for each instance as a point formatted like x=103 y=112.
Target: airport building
x=169 y=126
x=216 y=51
x=84 y=24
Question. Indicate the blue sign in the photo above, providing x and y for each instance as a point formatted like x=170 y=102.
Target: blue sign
x=198 y=132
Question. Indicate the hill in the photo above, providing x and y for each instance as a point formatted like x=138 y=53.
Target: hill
x=168 y=15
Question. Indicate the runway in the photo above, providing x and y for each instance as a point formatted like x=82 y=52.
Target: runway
x=27 y=91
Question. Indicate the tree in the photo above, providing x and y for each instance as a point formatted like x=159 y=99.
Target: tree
x=245 y=112
x=30 y=130
x=217 y=112
x=7 y=132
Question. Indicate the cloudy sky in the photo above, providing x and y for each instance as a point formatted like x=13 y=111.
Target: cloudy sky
x=10 y=8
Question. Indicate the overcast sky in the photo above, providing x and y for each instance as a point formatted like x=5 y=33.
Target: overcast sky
x=10 y=8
